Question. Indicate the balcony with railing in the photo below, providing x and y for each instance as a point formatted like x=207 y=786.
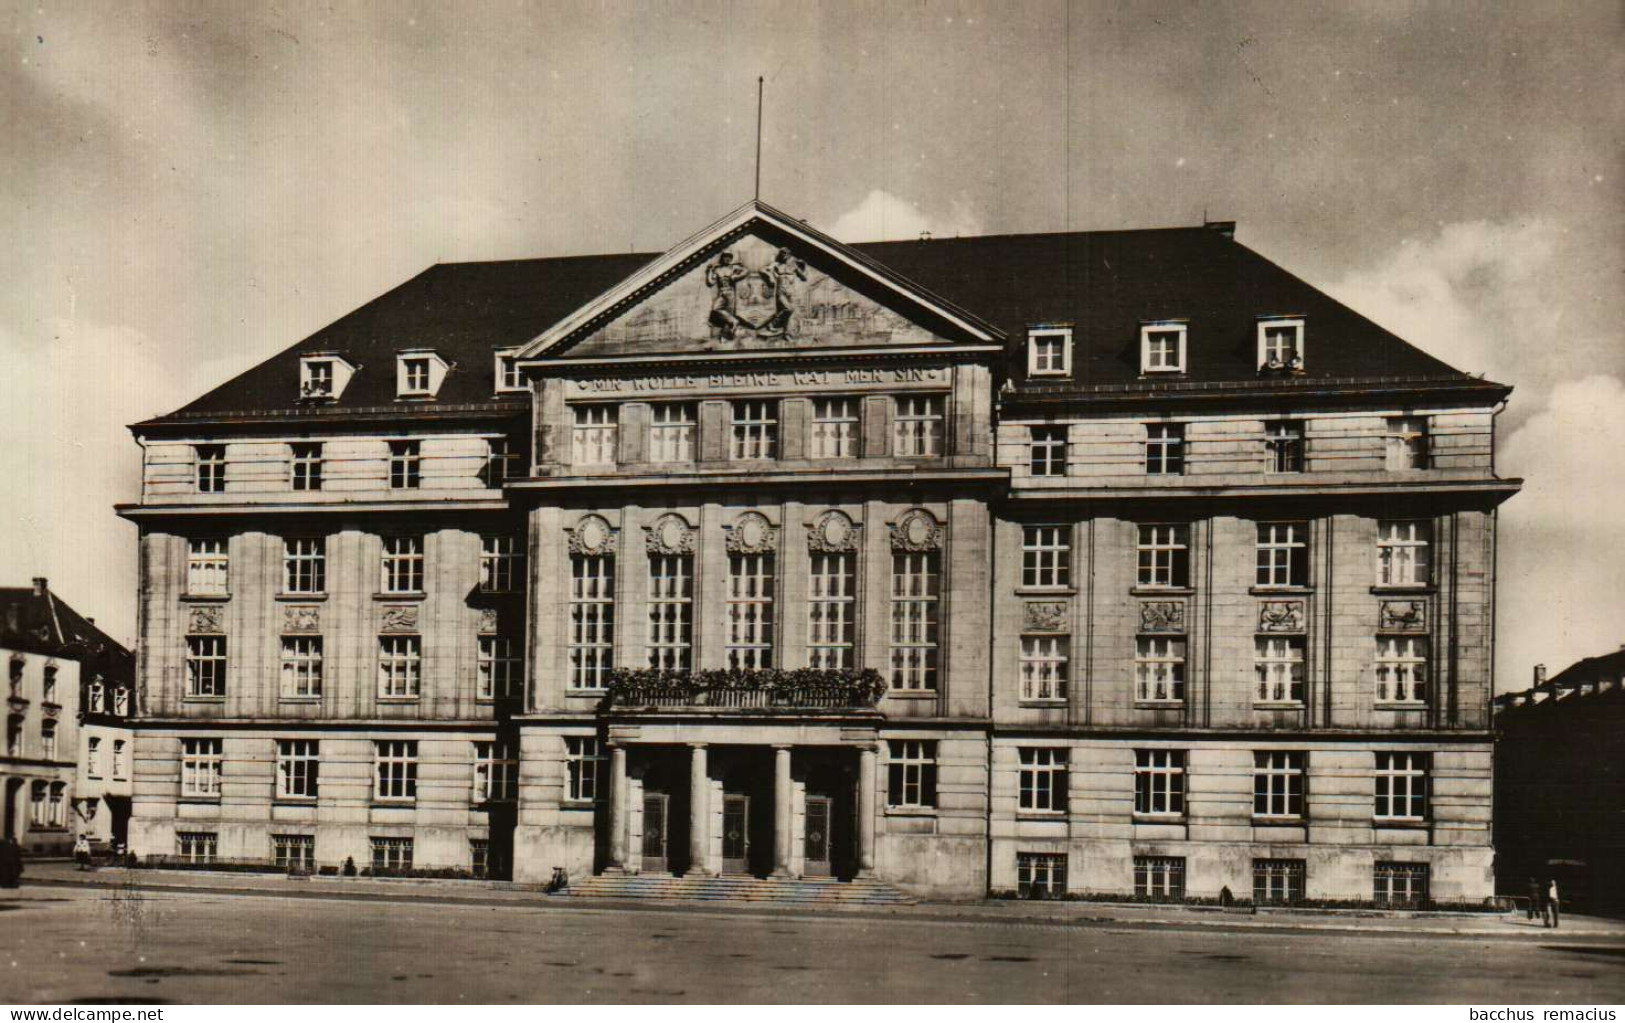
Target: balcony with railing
x=762 y=691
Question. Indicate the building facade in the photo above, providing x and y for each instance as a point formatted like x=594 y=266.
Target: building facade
x=56 y=660
x=1560 y=784
x=1117 y=562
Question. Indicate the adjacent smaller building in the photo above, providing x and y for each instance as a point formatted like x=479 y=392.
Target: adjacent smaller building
x=1560 y=784
x=68 y=699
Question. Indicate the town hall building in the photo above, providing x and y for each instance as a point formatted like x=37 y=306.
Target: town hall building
x=1121 y=563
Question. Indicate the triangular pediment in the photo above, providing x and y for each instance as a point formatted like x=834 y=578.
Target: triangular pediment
x=758 y=281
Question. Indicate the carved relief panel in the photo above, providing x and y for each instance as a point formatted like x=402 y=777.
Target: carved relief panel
x=1281 y=616
x=1162 y=616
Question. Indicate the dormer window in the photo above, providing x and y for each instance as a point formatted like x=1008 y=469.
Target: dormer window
x=1049 y=352
x=1280 y=344
x=419 y=374
x=507 y=371
x=1162 y=346
x=323 y=377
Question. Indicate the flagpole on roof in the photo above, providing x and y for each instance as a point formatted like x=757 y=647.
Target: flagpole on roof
x=758 y=137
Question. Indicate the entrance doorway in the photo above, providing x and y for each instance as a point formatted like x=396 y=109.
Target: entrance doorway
x=735 y=834
x=816 y=841
x=13 y=786
x=656 y=818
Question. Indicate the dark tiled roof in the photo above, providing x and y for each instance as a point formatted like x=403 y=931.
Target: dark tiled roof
x=1604 y=666
x=44 y=624
x=1103 y=283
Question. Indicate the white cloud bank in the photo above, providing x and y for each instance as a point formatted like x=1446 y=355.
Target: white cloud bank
x=882 y=216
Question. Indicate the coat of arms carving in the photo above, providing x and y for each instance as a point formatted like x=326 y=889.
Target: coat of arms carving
x=301 y=618
x=402 y=618
x=764 y=301
x=1046 y=615
x=205 y=619
x=1162 y=616
x=1403 y=616
x=1281 y=616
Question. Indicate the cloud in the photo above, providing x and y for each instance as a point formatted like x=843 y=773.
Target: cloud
x=882 y=216
x=1563 y=538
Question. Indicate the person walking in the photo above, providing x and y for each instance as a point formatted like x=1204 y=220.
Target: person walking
x=1537 y=898
x=1553 y=911
x=81 y=851
x=11 y=863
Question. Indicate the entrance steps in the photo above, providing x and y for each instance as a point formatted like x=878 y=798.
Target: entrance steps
x=743 y=888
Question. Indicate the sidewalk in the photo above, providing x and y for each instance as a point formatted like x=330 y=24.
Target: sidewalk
x=498 y=893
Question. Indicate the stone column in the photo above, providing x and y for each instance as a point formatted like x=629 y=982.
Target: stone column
x=699 y=811
x=783 y=818
x=619 y=794
x=867 y=766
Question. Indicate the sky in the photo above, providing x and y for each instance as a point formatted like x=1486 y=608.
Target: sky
x=187 y=188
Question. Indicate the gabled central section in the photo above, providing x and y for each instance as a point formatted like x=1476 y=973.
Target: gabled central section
x=758 y=281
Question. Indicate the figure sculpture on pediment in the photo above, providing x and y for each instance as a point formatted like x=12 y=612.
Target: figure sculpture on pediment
x=782 y=276
x=723 y=277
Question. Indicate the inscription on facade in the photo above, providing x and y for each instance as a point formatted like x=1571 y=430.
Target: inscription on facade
x=1162 y=616
x=767 y=380
x=1046 y=616
x=1403 y=616
x=1281 y=616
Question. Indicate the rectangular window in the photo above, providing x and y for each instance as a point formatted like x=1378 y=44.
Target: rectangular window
x=1162 y=348
x=1159 y=782
x=750 y=611
x=496 y=773
x=1407 y=443
x=592 y=619
x=1402 y=786
x=1278 y=783
x=318 y=378
x=403 y=564
x=400 y=667
x=200 y=767
x=304 y=564
x=298 y=768
x=593 y=440
x=405 y=465
x=1403 y=553
x=1278 y=665
x=672 y=432
x=205 y=666
x=47 y=735
x=197 y=846
x=211 y=468
x=582 y=757
x=415 y=376
x=1041 y=875
x=1283 y=554
x=1159 y=878
x=502 y=564
x=207 y=567
x=1043 y=779
x=1048 y=451
x=1402 y=669
x=501 y=461
x=1046 y=556
x=1278 y=882
x=1159 y=669
x=911 y=773
x=918 y=427
x=1280 y=345
x=118 y=759
x=671 y=611
x=916 y=587
x=835 y=428
x=1400 y=885
x=391 y=855
x=755 y=430
x=831 y=610
x=395 y=770
x=1044 y=667
x=1165 y=556
x=305 y=462
x=14 y=735
x=1283 y=445
x=1165 y=449
x=509 y=376
x=499 y=668
x=1049 y=352
x=93 y=757
x=301 y=667
x=294 y=852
